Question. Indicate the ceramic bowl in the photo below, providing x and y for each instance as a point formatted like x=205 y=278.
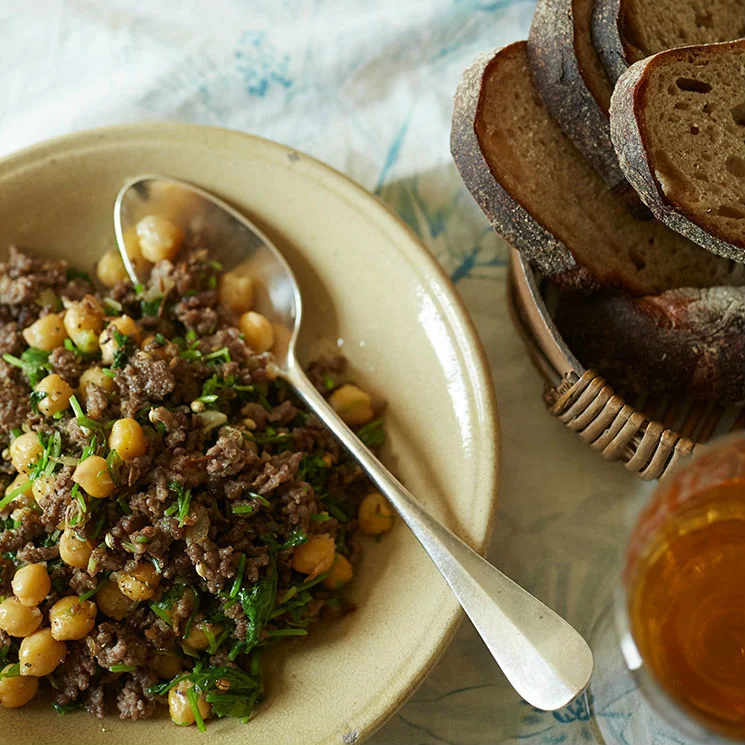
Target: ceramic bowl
x=369 y=287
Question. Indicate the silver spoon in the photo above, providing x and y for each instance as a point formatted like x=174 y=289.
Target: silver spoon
x=543 y=657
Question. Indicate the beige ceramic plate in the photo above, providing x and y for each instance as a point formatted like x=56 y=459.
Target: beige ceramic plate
x=366 y=280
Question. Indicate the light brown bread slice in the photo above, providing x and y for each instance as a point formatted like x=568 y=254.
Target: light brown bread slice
x=689 y=341
x=678 y=125
x=544 y=198
x=626 y=31
x=572 y=81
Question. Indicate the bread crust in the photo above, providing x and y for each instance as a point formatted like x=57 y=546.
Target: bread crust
x=607 y=37
x=629 y=139
x=684 y=342
x=512 y=220
x=557 y=75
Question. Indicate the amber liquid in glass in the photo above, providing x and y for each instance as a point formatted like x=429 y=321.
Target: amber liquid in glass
x=686 y=603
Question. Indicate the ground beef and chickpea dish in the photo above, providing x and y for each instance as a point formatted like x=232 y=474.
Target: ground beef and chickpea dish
x=170 y=510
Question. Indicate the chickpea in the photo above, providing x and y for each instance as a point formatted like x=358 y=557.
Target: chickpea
x=110 y=269
x=352 y=404
x=159 y=238
x=375 y=515
x=42 y=487
x=180 y=708
x=128 y=438
x=73 y=551
x=41 y=654
x=83 y=322
x=72 y=618
x=197 y=639
x=167 y=666
x=235 y=291
x=93 y=475
x=315 y=556
x=95 y=376
x=110 y=601
x=58 y=392
x=22 y=499
x=132 y=245
x=340 y=573
x=17 y=619
x=257 y=331
x=31 y=584
x=25 y=451
x=17 y=691
x=107 y=341
x=47 y=333
x=139 y=584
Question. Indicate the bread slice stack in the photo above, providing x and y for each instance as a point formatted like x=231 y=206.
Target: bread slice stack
x=564 y=141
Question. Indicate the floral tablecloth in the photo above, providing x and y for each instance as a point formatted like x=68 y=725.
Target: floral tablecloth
x=367 y=87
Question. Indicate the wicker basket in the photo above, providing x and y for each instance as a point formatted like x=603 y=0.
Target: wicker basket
x=648 y=436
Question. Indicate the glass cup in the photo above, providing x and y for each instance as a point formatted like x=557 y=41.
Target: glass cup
x=670 y=648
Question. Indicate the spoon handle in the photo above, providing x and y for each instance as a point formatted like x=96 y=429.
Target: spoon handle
x=543 y=657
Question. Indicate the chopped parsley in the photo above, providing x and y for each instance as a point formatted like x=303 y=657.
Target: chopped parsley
x=36 y=398
x=125 y=347
x=372 y=434
x=181 y=505
x=34 y=363
x=73 y=273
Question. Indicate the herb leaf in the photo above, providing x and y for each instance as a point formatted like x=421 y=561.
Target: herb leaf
x=372 y=434
x=125 y=347
x=34 y=363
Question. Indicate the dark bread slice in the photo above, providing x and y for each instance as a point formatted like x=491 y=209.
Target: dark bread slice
x=544 y=198
x=683 y=342
x=626 y=31
x=678 y=125
x=572 y=81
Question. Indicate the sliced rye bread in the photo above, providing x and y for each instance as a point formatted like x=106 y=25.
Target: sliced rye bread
x=572 y=81
x=678 y=125
x=545 y=199
x=626 y=31
x=689 y=341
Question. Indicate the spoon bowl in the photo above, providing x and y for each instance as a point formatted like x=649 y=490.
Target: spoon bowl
x=544 y=658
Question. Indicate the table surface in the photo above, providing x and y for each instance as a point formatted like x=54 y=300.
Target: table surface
x=368 y=88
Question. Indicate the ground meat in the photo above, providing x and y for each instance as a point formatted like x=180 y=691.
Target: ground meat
x=230 y=339
x=82 y=582
x=11 y=540
x=161 y=636
x=327 y=369
x=95 y=701
x=133 y=700
x=143 y=381
x=299 y=504
x=31 y=554
x=213 y=564
x=23 y=277
x=75 y=674
x=67 y=365
x=54 y=505
x=15 y=406
x=117 y=644
x=96 y=402
x=198 y=312
x=228 y=456
x=11 y=340
x=176 y=423
x=278 y=470
x=284 y=413
x=256 y=413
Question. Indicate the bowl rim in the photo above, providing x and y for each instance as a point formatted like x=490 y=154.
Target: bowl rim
x=458 y=317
